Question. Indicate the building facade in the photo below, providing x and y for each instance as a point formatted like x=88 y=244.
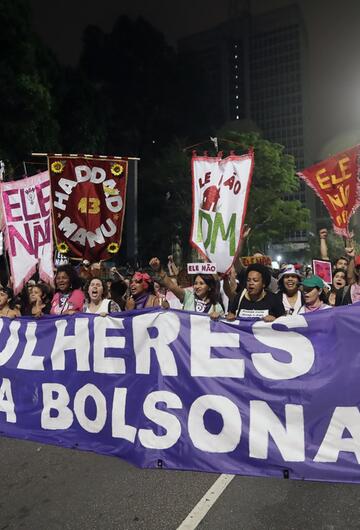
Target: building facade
x=255 y=67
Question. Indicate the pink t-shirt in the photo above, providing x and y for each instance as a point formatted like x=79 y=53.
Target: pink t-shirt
x=62 y=302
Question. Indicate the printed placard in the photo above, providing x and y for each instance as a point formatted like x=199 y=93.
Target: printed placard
x=250 y=260
x=323 y=269
x=201 y=268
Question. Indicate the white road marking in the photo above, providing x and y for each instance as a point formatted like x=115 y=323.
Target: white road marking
x=198 y=513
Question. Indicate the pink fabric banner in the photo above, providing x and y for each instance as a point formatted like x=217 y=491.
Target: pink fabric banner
x=26 y=212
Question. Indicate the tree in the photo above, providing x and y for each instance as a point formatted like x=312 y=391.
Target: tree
x=164 y=201
x=269 y=213
x=27 y=108
x=165 y=195
x=134 y=73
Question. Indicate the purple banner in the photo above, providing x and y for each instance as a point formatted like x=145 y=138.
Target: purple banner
x=175 y=390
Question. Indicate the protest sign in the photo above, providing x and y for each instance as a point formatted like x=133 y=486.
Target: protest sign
x=177 y=390
x=220 y=194
x=88 y=205
x=323 y=269
x=26 y=215
x=201 y=268
x=336 y=181
x=249 y=260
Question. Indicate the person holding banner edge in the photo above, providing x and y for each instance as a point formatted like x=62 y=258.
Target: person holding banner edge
x=68 y=298
x=255 y=300
x=97 y=301
x=205 y=297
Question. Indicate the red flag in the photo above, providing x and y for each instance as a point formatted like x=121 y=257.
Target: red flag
x=336 y=182
x=88 y=196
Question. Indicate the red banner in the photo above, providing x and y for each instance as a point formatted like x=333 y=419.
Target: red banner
x=88 y=196
x=336 y=182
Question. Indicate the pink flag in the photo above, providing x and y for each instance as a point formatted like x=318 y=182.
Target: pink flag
x=28 y=229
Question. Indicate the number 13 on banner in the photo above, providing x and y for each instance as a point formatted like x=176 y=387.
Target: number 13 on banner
x=89 y=205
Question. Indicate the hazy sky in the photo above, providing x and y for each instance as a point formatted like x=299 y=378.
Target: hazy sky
x=333 y=109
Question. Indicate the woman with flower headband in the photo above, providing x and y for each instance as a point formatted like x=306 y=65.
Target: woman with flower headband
x=142 y=293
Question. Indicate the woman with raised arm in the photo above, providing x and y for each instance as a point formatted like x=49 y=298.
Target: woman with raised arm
x=205 y=297
x=350 y=294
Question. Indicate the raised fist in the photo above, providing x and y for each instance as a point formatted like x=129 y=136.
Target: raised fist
x=323 y=233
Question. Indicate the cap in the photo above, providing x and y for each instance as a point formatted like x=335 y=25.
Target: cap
x=289 y=270
x=357 y=261
x=313 y=281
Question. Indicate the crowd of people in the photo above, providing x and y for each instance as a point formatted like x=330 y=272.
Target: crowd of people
x=253 y=291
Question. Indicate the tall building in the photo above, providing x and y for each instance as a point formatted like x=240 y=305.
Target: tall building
x=255 y=68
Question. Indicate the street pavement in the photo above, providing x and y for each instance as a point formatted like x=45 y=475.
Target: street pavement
x=47 y=487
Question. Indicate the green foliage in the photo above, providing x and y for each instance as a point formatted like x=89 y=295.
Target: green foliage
x=27 y=108
x=270 y=216
x=134 y=73
x=164 y=202
x=165 y=195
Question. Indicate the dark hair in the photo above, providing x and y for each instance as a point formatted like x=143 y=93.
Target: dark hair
x=45 y=291
x=241 y=279
x=214 y=287
x=10 y=294
x=150 y=289
x=342 y=257
x=261 y=269
x=24 y=298
x=103 y=283
x=118 y=287
x=335 y=271
x=75 y=282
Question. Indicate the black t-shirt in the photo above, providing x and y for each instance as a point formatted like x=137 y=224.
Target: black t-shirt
x=269 y=305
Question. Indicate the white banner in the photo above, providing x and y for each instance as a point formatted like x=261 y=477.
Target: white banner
x=27 y=217
x=220 y=194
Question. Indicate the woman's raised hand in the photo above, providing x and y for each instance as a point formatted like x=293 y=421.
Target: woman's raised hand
x=155 y=264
